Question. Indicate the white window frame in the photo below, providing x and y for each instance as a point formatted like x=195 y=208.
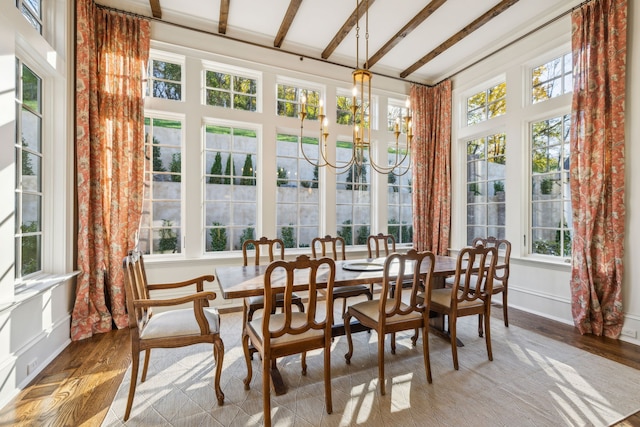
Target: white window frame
x=160 y=55
x=218 y=67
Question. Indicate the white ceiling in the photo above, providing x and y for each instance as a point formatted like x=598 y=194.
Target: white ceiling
x=317 y=22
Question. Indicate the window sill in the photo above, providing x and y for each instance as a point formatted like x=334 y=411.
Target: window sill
x=35 y=287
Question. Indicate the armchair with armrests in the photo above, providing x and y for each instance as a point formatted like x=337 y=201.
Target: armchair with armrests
x=171 y=328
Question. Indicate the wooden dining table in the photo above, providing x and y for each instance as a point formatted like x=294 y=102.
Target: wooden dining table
x=248 y=281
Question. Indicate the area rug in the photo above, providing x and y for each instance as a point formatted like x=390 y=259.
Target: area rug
x=532 y=380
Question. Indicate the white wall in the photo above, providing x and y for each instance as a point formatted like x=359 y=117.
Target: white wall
x=536 y=285
x=35 y=321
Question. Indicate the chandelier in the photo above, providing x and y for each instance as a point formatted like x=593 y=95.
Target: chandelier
x=360 y=103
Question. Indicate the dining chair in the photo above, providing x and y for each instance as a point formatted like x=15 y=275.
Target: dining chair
x=501 y=272
x=177 y=327
x=470 y=294
x=398 y=313
x=271 y=247
x=334 y=247
x=283 y=334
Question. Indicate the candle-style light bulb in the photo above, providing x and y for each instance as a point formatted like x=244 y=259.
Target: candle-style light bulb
x=321 y=107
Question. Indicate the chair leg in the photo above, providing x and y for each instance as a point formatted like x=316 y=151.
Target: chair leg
x=454 y=344
x=303 y=362
x=247 y=358
x=381 y=360
x=480 y=321
x=218 y=355
x=300 y=306
x=425 y=351
x=147 y=357
x=487 y=333
x=135 y=360
x=504 y=307
x=327 y=377
x=347 y=332
x=393 y=343
x=266 y=385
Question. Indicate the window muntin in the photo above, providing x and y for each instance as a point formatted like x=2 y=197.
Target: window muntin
x=165 y=79
x=32 y=11
x=231 y=91
x=552 y=79
x=353 y=197
x=298 y=206
x=161 y=222
x=230 y=205
x=29 y=161
x=487 y=104
x=486 y=173
x=551 y=215
x=290 y=98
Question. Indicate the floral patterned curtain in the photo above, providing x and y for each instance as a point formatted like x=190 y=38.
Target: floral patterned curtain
x=111 y=54
x=431 y=163
x=599 y=39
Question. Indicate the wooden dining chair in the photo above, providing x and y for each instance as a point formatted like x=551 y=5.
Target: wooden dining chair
x=271 y=247
x=171 y=328
x=334 y=247
x=501 y=272
x=470 y=294
x=389 y=315
x=283 y=334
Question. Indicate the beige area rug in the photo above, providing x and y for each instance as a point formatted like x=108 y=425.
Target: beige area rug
x=532 y=381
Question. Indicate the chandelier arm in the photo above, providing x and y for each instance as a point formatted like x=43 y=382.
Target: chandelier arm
x=310 y=161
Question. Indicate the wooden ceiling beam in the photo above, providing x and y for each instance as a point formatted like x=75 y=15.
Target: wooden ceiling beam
x=485 y=18
x=342 y=32
x=286 y=22
x=156 y=10
x=224 y=16
x=410 y=26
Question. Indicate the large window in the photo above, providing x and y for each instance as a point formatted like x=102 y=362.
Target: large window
x=486 y=174
x=230 y=205
x=487 y=104
x=298 y=212
x=231 y=90
x=550 y=193
x=161 y=224
x=29 y=161
x=552 y=79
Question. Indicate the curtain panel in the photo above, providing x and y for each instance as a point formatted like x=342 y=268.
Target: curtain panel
x=431 y=163
x=112 y=51
x=599 y=38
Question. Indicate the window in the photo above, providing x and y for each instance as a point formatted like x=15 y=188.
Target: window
x=550 y=193
x=32 y=10
x=230 y=205
x=399 y=208
x=29 y=161
x=161 y=225
x=486 y=173
x=291 y=97
x=487 y=104
x=165 y=79
x=353 y=197
x=397 y=112
x=552 y=79
x=229 y=90
x=344 y=114
x=298 y=209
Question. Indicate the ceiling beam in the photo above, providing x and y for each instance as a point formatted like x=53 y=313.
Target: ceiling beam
x=224 y=16
x=410 y=26
x=488 y=16
x=286 y=22
x=156 y=11
x=342 y=32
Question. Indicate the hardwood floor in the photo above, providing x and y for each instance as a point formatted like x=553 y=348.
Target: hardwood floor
x=77 y=388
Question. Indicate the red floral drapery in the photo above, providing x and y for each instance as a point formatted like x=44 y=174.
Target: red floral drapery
x=111 y=52
x=431 y=163
x=599 y=38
